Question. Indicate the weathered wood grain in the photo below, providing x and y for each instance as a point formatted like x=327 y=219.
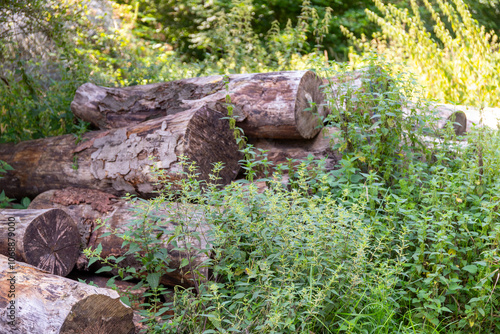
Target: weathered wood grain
x=50 y=304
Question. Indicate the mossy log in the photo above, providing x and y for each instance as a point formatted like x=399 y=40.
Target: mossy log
x=35 y=301
x=46 y=238
x=87 y=206
x=119 y=161
x=285 y=105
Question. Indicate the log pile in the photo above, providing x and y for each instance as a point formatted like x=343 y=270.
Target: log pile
x=119 y=161
x=285 y=105
x=77 y=182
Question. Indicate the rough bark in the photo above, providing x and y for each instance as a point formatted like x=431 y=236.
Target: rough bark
x=116 y=161
x=280 y=151
x=47 y=238
x=86 y=207
x=269 y=105
x=45 y=303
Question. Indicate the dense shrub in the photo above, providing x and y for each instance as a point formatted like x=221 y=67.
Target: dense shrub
x=459 y=62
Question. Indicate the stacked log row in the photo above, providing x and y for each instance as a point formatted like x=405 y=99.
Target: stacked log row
x=39 y=302
x=87 y=206
x=119 y=161
x=47 y=239
x=286 y=105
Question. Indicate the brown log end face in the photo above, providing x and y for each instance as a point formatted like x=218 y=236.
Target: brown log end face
x=52 y=242
x=99 y=314
x=459 y=121
x=209 y=140
x=310 y=105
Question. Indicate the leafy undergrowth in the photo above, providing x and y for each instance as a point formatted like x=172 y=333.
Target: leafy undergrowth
x=401 y=238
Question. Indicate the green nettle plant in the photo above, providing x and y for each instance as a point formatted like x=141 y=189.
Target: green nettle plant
x=282 y=261
x=381 y=126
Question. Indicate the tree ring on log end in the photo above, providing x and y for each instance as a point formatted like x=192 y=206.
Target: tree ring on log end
x=310 y=105
x=99 y=314
x=52 y=242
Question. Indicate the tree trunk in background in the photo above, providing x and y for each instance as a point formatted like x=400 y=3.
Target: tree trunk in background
x=269 y=105
x=116 y=161
x=86 y=206
x=47 y=239
x=50 y=304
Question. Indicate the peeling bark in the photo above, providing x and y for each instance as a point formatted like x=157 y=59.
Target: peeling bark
x=117 y=161
x=117 y=218
x=269 y=105
x=50 y=304
x=47 y=239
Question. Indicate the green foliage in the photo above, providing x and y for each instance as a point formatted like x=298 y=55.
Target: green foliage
x=401 y=238
x=381 y=129
x=5 y=202
x=460 y=61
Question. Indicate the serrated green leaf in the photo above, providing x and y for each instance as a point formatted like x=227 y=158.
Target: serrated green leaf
x=239 y=296
x=153 y=280
x=184 y=263
x=125 y=300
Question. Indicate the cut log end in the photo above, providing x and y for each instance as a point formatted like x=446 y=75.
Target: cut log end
x=99 y=314
x=52 y=242
x=310 y=106
x=459 y=121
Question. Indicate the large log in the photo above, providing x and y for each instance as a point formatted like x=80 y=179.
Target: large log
x=87 y=206
x=116 y=161
x=350 y=89
x=488 y=117
x=269 y=105
x=34 y=301
x=46 y=238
